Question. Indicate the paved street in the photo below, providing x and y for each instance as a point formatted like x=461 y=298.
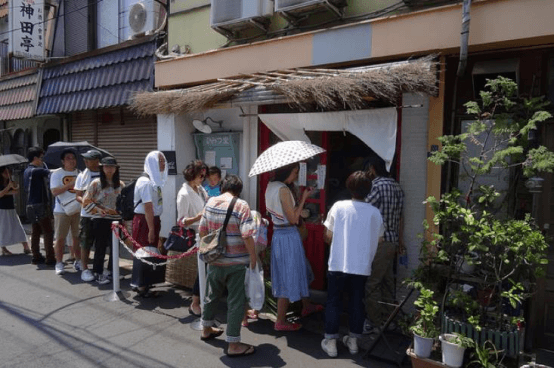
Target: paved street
x=53 y=321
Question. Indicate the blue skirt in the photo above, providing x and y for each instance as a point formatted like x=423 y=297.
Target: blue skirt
x=291 y=272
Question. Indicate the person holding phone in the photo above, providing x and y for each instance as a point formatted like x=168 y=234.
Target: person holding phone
x=291 y=272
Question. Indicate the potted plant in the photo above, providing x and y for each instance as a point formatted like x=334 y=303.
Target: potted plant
x=425 y=328
x=480 y=225
x=453 y=346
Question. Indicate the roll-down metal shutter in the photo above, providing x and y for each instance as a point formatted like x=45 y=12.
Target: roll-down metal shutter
x=128 y=138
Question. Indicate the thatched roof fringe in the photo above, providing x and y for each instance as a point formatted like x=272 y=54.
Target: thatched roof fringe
x=330 y=89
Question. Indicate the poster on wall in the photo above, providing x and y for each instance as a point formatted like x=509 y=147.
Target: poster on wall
x=27 y=29
x=171 y=162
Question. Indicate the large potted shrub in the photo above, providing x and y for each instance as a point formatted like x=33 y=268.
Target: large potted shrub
x=480 y=225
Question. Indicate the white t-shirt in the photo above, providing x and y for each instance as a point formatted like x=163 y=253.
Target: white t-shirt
x=60 y=178
x=147 y=191
x=356 y=227
x=81 y=184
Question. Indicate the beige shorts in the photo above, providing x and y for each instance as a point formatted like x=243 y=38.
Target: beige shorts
x=63 y=222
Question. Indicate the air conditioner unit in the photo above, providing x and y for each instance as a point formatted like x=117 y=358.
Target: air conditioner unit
x=144 y=17
x=236 y=13
x=299 y=6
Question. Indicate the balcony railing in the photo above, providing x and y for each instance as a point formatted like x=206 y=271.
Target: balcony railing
x=9 y=64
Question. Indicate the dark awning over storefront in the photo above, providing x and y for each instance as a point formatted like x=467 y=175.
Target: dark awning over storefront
x=99 y=81
x=17 y=96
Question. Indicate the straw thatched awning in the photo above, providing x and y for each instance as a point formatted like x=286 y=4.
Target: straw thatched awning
x=330 y=89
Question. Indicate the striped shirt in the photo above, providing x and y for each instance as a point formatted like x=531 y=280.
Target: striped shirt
x=387 y=196
x=240 y=227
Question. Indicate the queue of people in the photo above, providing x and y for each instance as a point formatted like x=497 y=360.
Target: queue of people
x=362 y=233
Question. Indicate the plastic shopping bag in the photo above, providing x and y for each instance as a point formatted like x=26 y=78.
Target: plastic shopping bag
x=254 y=286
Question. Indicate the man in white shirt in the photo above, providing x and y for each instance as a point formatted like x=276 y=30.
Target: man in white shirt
x=66 y=209
x=354 y=228
x=86 y=232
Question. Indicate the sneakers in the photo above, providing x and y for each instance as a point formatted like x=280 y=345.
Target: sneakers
x=107 y=273
x=59 y=268
x=103 y=279
x=77 y=265
x=329 y=346
x=351 y=343
x=87 y=276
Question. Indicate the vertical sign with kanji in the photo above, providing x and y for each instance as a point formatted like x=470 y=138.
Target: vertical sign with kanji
x=28 y=28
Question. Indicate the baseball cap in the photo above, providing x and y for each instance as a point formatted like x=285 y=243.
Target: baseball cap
x=92 y=154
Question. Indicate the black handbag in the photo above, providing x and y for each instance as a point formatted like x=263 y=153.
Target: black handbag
x=180 y=239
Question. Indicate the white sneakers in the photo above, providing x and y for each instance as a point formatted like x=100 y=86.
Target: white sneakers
x=104 y=278
x=87 y=276
x=77 y=265
x=351 y=343
x=329 y=345
x=59 y=268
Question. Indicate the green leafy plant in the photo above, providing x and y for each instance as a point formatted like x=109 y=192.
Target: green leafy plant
x=485 y=356
x=478 y=224
x=461 y=340
x=424 y=325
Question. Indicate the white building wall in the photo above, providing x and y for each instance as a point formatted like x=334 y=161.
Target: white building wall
x=413 y=175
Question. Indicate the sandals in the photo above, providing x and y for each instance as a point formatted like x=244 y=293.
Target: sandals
x=311 y=310
x=212 y=335
x=191 y=312
x=148 y=294
x=251 y=314
x=6 y=252
x=287 y=327
x=248 y=351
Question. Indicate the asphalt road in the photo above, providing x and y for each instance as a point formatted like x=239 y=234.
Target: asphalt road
x=60 y=321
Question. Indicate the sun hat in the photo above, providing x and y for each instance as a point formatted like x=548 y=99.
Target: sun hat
x=108 y=160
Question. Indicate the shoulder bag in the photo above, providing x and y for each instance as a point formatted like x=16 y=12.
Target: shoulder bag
x=180 y=239
x=36 y=212
x=213 y=245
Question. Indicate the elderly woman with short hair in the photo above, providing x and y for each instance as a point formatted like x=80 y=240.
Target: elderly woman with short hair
x=190 y=203
x=228 y=271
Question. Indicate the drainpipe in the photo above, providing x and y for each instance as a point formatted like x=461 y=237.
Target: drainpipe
x=465 y=38
x=460 y=73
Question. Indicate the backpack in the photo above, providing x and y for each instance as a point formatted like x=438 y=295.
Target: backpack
x=125 y=203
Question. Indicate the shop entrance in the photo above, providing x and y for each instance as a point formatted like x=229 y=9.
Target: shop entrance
x=345 y=154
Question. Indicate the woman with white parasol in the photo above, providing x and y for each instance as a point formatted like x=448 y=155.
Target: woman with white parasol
x=11 y=230
x=290 y=270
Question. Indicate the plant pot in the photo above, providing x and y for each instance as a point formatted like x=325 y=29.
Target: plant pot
x=422 y=346
x=452 y=354
x=419 y=362
x=507 y=340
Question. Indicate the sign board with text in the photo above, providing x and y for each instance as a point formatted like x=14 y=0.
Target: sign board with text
x=27 y=29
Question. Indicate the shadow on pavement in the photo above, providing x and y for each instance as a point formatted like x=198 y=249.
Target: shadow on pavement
x=15 y=259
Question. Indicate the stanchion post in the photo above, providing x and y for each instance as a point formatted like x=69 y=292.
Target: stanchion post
x=116 y=294
x=115 y=259
x=197 y=324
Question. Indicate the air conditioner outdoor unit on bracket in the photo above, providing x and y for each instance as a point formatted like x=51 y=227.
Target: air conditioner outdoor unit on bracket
x=227 y=16
x=144 y=17
x=291 y=8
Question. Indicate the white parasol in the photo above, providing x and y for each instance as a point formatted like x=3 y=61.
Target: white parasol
x=11 y=159
x=282 y=154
